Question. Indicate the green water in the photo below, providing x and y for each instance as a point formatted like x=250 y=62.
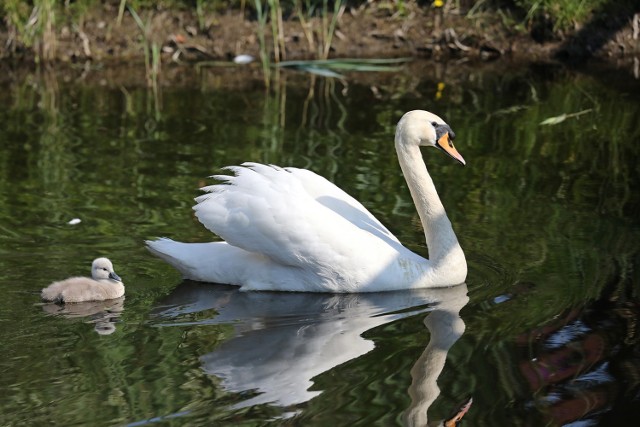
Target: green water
x=547 y=216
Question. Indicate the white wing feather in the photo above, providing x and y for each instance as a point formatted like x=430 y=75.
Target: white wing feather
x=296 y=219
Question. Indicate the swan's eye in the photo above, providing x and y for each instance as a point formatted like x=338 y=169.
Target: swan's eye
x=434 y=124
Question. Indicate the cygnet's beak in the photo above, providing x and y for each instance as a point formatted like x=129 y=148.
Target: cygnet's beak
x=114 y=276
x=446 y=144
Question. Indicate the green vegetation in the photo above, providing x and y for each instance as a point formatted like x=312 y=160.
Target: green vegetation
x=36 y=24
x=563 y=14
x=33 y=24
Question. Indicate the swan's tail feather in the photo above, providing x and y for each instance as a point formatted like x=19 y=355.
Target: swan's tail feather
x=177 y=254
x=206 y=262
x=163 y=248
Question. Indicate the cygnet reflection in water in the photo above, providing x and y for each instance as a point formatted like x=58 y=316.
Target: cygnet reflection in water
x=102 y=314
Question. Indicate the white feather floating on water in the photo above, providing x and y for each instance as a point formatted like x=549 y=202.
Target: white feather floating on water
x=243 y=59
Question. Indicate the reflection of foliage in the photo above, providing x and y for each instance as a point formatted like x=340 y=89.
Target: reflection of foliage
x=564 y=187
x=128 y=376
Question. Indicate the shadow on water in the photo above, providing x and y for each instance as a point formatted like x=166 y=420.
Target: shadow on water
x=283 y=341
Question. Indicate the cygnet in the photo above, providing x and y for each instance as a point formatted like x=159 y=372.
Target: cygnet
x=105 y=284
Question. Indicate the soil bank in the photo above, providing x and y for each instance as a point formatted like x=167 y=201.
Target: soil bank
x=368 y=31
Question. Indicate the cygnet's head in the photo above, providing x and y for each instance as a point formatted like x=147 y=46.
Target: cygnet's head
x=420 y=127
x=102 y=269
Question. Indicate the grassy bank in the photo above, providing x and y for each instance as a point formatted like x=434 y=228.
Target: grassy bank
x=37 y=28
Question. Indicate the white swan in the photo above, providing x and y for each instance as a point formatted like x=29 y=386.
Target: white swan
x=288 y=229
x=104 y=285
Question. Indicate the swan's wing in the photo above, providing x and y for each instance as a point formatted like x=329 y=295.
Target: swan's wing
x=334 y=198
x=295 y=219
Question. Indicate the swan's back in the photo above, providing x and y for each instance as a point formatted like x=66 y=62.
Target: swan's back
x=334 y=198
x=296 y=225
x=285 y=213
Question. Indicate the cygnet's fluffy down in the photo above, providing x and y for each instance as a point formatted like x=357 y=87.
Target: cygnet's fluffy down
x=104 y=285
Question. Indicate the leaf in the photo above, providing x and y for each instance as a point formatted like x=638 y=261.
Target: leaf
x=332 y=62
x=510 y=110
x=324 y=66
x=554 y=120
x=321 y=72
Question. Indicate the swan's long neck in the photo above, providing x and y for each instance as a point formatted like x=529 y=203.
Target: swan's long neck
x=444 y=249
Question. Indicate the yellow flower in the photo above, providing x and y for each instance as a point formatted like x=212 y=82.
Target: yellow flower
x=438 y=3
x=439 y=90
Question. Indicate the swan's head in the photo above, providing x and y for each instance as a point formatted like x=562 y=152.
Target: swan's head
x=420 y=127
x=102 y=269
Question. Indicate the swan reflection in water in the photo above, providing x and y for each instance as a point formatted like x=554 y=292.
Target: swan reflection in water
x=102 y=314
x=282 y=341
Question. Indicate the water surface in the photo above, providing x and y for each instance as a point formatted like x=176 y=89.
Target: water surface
x=544 y=332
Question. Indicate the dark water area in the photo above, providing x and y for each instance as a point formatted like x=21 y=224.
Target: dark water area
x=544 y=332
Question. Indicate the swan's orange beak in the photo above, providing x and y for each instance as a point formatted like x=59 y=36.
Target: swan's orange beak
x=446 y=144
